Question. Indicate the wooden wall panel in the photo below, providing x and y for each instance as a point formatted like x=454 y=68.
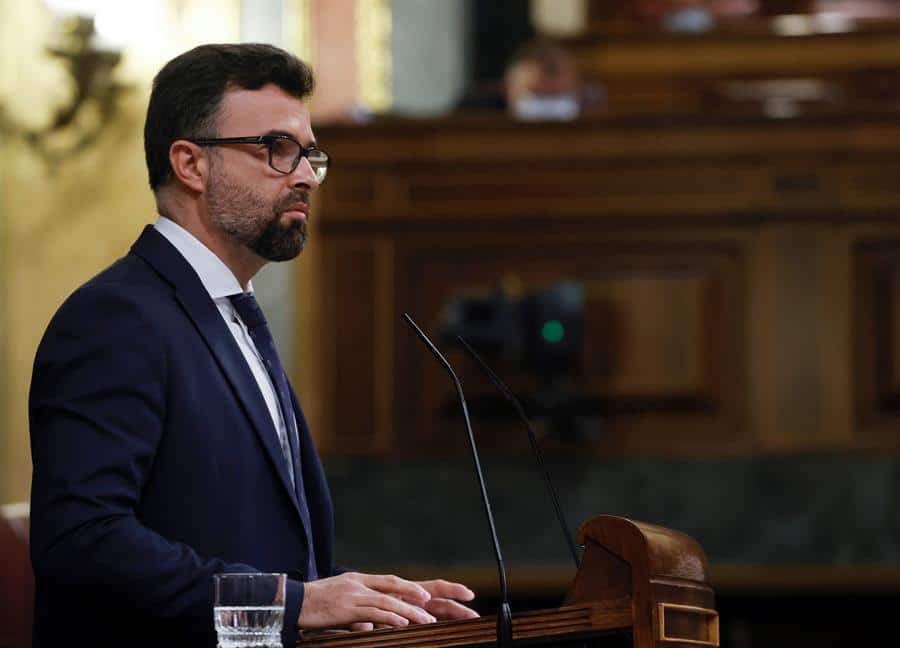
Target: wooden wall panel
x=741 y=280
x=892 y=349
x=663 y=344
x=878 y=339
x=646 y=336
x=356 y=351
x=355 y=294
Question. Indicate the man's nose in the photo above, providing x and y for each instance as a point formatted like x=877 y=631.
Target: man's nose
x=304 y=176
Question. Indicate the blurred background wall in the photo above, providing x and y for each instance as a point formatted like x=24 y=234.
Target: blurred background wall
x=671 y=226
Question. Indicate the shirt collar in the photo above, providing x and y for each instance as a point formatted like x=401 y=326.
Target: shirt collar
x=215 y=276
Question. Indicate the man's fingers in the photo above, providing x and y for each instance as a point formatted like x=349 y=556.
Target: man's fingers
x=341 y=601
x=447 y=609
x=391 y=604
x=405 y=589
x=445 y=589
x=384 y=618
x=363 y=601
x=363 y=626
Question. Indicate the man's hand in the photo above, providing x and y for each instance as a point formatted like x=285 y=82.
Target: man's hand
x=354 y=601
x=443 y=602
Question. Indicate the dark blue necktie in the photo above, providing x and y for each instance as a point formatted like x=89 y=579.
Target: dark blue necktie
x=251 y=314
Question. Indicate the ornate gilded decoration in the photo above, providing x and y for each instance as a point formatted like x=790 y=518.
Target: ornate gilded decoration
x=373 y=54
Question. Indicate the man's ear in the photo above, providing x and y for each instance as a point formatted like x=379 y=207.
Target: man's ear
x=190 y=164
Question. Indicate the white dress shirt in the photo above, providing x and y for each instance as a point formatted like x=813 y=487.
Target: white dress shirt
x=220 y=282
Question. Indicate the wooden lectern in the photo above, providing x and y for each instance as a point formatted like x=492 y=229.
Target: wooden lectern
x=638 y=586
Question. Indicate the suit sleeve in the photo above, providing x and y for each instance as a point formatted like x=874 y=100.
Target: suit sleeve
x=97 y=410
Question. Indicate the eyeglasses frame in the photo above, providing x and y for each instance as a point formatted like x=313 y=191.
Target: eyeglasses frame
x=268 y=140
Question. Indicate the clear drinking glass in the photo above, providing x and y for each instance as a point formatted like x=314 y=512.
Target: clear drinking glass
x=249 y=610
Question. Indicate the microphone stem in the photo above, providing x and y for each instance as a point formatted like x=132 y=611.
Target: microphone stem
x=532 y=438
x=484 y=496
x=504 y=616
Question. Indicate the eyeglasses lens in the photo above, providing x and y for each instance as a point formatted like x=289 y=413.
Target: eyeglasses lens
x=285 y=152
x=318 y=160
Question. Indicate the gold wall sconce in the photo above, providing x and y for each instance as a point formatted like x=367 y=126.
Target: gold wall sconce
x=80 y=120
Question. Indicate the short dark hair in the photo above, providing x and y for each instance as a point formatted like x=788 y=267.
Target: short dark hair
x=188 y=91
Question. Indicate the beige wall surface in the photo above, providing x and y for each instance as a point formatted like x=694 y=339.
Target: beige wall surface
x=62 y=226
x=65 y=219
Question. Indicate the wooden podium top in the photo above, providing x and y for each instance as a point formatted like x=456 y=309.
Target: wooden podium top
x=638 y=585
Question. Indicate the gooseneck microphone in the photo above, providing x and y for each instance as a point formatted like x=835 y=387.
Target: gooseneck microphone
x=504 y=615
x=534 y=445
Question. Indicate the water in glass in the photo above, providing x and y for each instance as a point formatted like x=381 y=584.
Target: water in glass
x=247 y=626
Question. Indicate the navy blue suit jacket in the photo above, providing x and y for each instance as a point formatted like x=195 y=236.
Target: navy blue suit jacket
x=156 y=464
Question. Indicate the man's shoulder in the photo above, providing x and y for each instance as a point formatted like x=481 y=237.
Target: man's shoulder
x=127 y=292
x=120 y=313
x=129 y=279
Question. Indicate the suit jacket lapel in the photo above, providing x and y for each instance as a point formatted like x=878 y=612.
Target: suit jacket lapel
x=190 y=293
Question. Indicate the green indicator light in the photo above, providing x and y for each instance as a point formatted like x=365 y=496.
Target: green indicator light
x=553 y=331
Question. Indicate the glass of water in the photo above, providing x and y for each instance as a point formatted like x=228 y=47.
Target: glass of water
x=249 y=610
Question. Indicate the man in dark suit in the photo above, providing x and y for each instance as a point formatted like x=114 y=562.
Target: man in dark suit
x=166 y=441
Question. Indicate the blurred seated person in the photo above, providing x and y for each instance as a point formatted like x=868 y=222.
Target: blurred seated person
x=541 y=83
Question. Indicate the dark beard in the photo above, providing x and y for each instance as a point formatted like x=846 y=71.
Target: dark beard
x=246 y=217
x=279 y=242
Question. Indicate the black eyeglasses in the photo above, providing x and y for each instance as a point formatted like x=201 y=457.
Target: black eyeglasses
x=285 y=152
